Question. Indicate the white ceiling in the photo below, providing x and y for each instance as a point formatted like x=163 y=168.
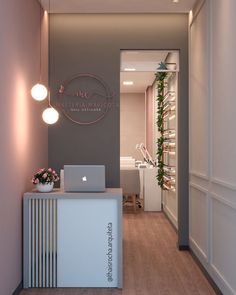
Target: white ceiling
x=142 y=60
x=146 y=63
x=141 y=81
x=118 y=6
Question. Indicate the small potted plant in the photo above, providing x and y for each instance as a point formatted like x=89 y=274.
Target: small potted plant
x=44 y=179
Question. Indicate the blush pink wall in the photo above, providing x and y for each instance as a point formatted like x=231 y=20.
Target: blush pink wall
x=149 y=120
x=132 y=123
x=23 y=143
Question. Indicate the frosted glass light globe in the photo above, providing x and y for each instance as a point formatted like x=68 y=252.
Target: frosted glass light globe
x=39 y=92
x=50 y=116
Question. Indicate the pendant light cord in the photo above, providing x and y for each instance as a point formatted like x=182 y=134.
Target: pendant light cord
x=49 y=98
x=49 y=53
x=40 y=43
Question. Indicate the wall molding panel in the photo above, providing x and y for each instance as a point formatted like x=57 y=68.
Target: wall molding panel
x=223 y=201
x=200 y=175
x=212 y=204
x=197 y=229
x=224 y=183
x=199 y=181
x=223 y=191
x=202 y=256
x=198 y=187
x=222 y=283
x=223 y=245
x=199 y=94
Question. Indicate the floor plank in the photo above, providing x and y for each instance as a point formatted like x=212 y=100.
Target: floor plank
x=152 y=263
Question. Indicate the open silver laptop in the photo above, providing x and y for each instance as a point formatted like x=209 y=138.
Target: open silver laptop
x=84 y=178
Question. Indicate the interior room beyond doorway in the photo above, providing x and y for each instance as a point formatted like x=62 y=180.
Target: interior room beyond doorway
x=139 y=132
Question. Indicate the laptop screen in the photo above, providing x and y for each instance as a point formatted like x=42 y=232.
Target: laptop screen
x=84 y=178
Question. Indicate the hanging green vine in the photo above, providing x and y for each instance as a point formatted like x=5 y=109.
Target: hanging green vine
x=160 y=79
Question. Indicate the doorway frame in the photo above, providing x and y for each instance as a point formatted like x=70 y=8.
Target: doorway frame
x=182 y=146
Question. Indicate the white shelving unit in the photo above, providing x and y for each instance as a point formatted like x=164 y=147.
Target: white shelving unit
x=170 y=139
x=170 y=145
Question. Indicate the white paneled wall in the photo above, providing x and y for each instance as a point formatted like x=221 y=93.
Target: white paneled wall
x=212 y=113
x=223 y=91
x=199 y=92
x=198 y=221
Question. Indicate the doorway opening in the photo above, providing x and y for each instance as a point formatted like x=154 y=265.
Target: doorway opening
x=149 y=131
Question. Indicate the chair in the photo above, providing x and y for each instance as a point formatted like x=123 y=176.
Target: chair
x=130 y=184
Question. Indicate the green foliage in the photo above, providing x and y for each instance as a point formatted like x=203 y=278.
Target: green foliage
x=160 y=79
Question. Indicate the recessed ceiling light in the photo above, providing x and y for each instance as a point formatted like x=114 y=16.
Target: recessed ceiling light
x=130 y=69
x=175 y=1
x=128 y=83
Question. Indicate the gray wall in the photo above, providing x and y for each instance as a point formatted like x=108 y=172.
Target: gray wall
x=92 y=43
x=132 y=123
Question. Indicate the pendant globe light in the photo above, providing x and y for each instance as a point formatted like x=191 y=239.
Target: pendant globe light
x=39 y=92
x=50 y=115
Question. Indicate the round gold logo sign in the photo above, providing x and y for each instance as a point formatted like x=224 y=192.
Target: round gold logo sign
x=84 y=99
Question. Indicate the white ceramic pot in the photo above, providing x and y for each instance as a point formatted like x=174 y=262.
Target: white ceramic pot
x=45 y=187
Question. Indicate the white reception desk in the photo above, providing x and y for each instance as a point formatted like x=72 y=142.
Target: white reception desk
x=73 y=239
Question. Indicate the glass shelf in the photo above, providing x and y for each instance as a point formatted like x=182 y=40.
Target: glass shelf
x=169 y=105
x=169 y=180
x=169 y=167
x=169 y=149
x=168 y=114
x=169 y=141
x=169 y=131
x=169 y=187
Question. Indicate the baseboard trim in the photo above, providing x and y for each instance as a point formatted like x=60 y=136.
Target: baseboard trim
x=206 y=274
x=183 y=247
x=170 y=216
x=170 y=221
x=18 y=289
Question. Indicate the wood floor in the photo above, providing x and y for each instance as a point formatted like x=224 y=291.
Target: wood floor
x=152 y=263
